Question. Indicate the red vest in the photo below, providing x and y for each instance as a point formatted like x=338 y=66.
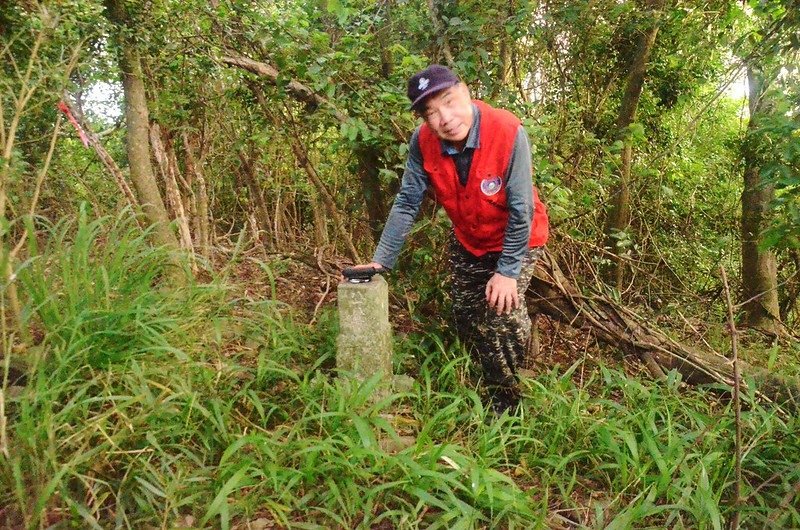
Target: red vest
x=478 y=210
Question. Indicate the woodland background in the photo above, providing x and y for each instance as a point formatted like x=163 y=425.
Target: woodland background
x=181 y=182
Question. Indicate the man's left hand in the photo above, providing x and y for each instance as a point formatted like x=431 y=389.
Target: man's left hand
x=501 y=293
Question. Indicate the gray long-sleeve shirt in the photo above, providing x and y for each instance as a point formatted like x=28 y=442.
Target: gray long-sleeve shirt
x=519 y=198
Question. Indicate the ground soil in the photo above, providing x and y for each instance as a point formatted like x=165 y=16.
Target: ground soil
x=307 y=286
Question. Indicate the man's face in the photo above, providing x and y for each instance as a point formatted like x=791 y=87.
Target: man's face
x=449 y=114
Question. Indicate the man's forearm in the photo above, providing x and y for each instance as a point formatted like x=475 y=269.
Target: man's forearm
x=398 y=226
x=405 y=208
x=519 y=201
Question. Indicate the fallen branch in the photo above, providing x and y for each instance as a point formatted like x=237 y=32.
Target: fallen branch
x=298 y=90
x=553 y=294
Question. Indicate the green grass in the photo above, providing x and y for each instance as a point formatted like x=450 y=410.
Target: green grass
x=149 y=405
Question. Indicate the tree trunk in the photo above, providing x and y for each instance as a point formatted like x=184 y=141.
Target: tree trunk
x=142 y=176
x=327 y=198
x=504 y=52
x=759 y=267
x=138 y=143
x=382 y=35
x=257 y=203
x=320 y=222
x=618 y=216
x=165 y=158
x=194 y=167
x=278 y=220
x=791 y=290
x=369 y=155
x=374 y=197
x=553 y=294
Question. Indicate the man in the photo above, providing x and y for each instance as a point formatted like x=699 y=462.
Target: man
x=477 y=161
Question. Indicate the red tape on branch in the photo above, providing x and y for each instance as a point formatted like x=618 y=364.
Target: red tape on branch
x=63 y=107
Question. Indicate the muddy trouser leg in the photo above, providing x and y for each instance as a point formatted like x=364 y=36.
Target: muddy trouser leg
x=497 y=342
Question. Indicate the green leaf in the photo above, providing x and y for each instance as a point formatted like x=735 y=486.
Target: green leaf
x=155 y=490
x=219 y=506
x=364 y=431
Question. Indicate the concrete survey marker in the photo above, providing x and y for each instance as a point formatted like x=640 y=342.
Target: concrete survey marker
x=364 y=344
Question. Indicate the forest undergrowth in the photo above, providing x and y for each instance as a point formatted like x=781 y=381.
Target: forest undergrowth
x=145 y=405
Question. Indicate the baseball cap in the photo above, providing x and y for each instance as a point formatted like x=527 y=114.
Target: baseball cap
x=429 y=81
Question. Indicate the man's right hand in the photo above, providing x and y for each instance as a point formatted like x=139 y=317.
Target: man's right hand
x=374 y=265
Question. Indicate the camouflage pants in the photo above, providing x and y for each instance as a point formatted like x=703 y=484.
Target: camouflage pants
x=497 y=342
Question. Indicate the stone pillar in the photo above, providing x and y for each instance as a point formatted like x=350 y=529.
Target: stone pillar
x=364 y=344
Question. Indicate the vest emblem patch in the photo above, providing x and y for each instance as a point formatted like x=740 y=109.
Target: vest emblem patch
x=491 y=185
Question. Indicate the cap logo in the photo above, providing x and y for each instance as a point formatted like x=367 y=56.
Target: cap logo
x=423 y=83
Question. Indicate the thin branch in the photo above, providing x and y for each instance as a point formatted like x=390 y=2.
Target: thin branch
x=2 y=122
x=37 y=190
x=737 y=405
x=296 y=89
x=6 y=342
x=7 y=48
x=321 y=299
x=20 y=101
